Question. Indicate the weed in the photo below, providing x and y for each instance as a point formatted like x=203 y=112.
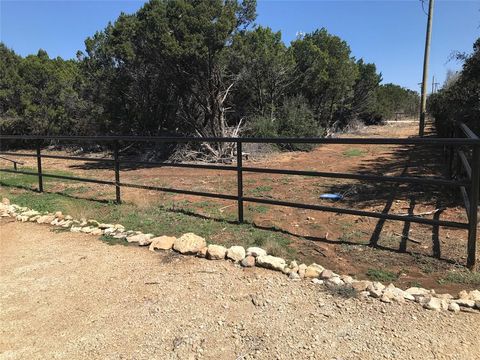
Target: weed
x=353 y=152
x=381 y=275
x=259 y=190
x=110 y=240
x=262 y=209
x=461 y=277
x=346 y=292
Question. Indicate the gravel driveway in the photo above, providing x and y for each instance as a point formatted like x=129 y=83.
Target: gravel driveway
x=71 y=296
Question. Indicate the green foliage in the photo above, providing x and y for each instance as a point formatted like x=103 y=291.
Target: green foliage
x=195 y=68
x=461 y=277
x=393 y=99
x=381 y=275
x=353 y=152
x=458 y=100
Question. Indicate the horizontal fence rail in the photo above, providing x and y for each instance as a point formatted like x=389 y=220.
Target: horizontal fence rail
x=469 y=185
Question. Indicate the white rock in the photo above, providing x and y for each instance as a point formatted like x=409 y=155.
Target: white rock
x=106 y=226
x=255 y=251
x=417 y=291
x=96 y=232
x=434 y=304
x=76 y=229
x=45 y=219
x=474 y=295
x=189 y=244
x=67 y=224
x=236 y=253
x=465 y=303
x=86 y=229
x=162 y=243
x=216 y=252
x=301 y=270
x=141 y=239
x=317 y=281
x=326 y=274
x=5 y=201
x=335 y=281
x=270 y=262
x=454 y=307
x=30 y=213
x=295 y=277
x=108 y=231
x=313 y=271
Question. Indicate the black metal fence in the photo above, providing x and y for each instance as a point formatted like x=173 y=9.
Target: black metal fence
x=457 y=148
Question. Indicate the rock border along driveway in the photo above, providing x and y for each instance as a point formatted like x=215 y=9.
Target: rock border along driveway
x=191 y=244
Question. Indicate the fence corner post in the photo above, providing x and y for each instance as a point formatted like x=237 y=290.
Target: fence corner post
x=473 y=218
x=39 y=167
x=117 y=172
x=240 y=181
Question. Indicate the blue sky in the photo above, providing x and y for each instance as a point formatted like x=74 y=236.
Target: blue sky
x=389 y=33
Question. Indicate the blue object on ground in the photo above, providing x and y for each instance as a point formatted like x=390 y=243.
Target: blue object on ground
x=331 y=196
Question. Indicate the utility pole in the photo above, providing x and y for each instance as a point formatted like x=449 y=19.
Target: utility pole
x=423 y=106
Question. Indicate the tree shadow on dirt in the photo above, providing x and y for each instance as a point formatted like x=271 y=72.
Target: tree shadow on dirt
x=413 y=160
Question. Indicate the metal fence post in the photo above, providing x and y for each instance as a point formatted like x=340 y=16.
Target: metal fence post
x=39 y=168
x=117 y=172
x=472 y=221
x=240 y=181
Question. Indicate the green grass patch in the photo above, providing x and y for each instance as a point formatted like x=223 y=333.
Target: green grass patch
x=353 y=152
x=31 y=181
x=261 y=209
x=461 y=277
x=259 y=190
x=160 y=219
x=381 y=275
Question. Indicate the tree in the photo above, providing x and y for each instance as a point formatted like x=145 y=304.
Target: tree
x=327 y=73
x=265 y=71
x=166 y=66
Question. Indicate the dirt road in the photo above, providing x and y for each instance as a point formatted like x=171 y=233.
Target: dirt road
x=71 y=296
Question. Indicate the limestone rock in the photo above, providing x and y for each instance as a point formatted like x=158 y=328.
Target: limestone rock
x=361 y=285
x=96 y=231
x=45 y=219
x=256 y=251
x=216 y=252
x=86 y=229
x=76 y=229
x=294 y=276
x=141 y=239
x=474 y=295
x=301 y=270
x=334 y=281
x=313 y=271
x=326 y=274
x=454 y=307
x=161 y=243
x=30 y=213
x=433 y=304
x=317 y=281
x=189 y=244
x=249 y=261
x=417 y=291
x=271 y=262
x=203 y=252
x=5 y=201
x=236 y=253
x=465 y=302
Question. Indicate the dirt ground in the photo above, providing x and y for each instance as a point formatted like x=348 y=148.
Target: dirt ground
x=420 y=254
x=72 y=296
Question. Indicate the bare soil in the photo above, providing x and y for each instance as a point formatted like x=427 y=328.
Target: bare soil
x=344 y=243
x=71 y=296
